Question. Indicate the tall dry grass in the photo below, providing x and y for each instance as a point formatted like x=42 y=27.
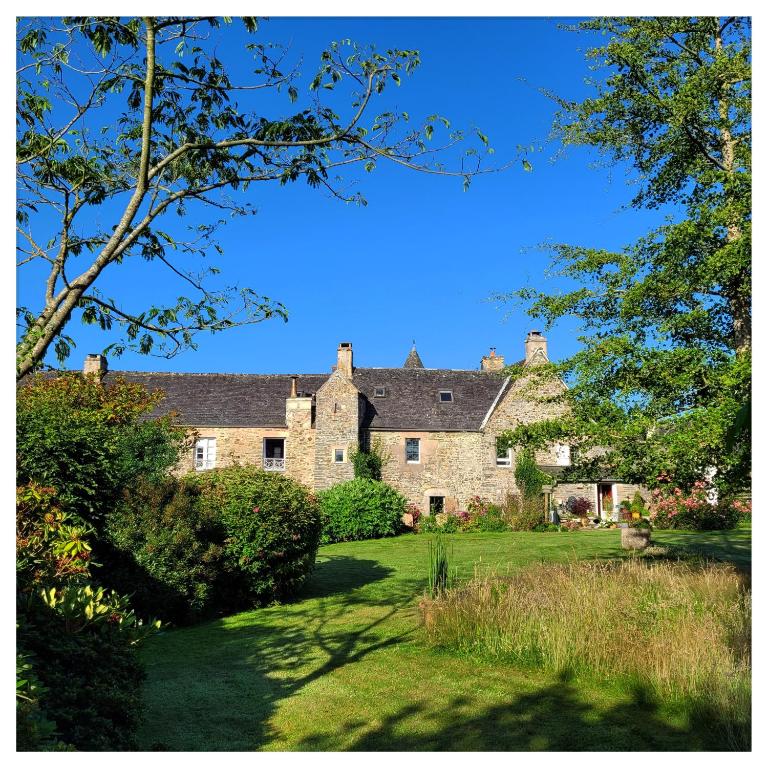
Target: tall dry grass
x=680 y=629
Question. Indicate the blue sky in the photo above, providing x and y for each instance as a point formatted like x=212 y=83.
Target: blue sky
x=422 y=260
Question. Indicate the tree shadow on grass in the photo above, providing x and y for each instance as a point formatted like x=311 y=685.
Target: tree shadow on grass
x=552 y=718
x=236 y=670
x=726 y=546
x=338 y=574
x=215 y=687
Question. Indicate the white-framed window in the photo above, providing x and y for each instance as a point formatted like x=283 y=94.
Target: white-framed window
x=503 y=454
x=274 y=454
x=338 y=455
x=380 y=392
x=446 y=396
x=563 y=454
x=205 y=453
x=412 y=450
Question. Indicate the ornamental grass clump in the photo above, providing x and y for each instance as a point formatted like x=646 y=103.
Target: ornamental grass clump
x=681 y=630
x=439 y=576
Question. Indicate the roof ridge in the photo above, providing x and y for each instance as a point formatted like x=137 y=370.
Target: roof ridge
x=211 y=373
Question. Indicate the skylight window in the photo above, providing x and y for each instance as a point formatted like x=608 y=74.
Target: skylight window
x=379 y=392
x=446 y=396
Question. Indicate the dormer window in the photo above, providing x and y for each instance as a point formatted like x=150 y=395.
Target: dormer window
x=379 y=392
x=446 y=396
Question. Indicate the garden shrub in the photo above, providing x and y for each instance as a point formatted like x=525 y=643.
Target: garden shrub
x=272 y=527
x=77 y=641
x=361 y=509
x=675 y=509
x=92 y=680
x=637 y=507
x=34 y=731
x=525 y=512
x=442 y=522
x=485 y=517
x=168 y=551
x=546 y=528
x=90 y=441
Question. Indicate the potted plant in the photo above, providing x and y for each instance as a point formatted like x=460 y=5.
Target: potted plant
x=637 y=535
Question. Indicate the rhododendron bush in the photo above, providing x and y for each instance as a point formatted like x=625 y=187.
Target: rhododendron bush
x=696 y=510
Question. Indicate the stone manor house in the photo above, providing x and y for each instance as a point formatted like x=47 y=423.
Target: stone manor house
x=438 y=427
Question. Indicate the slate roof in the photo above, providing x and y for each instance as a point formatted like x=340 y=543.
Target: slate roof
x=223 y=399
x=411 y=400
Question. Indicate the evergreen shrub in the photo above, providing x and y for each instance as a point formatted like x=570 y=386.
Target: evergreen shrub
x=361 y=509
x=167 y=549
x=271 y=525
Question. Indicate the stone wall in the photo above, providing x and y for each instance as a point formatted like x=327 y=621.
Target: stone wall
x=621 y=491
x=300 y=445
x=245 y=445
x=338 y=412
x=234 y=445
x=459 y=465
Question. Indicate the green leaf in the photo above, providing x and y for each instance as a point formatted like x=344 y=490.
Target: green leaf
x=527 y=166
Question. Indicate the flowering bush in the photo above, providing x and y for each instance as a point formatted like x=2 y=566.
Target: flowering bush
x=272 y=526
x=570 y=525
x=743 y=508
x=480 y=516
x=477 y=505
x=414 y=512
x=694 y=510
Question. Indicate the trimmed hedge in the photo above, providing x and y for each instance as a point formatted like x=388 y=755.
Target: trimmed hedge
x=361 y=509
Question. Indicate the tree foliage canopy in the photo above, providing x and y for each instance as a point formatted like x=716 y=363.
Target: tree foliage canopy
x=663 y=376
x=121 y=121
x=90 y=441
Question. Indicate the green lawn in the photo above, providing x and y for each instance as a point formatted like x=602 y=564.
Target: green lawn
x=344 y=667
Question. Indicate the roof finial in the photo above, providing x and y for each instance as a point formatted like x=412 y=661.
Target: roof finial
x=413 y=360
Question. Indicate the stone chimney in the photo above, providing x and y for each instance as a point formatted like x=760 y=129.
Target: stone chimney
x=300 y=442
x=344 y=359
x=534 y=342
x=95 y=364
x=492 y=361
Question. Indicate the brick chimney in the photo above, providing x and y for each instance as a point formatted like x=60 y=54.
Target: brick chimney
x=344 y=359
x=492 y=361
x=95 y=364
x=534 y=342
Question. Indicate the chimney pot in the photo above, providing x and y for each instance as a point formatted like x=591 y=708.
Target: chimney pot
x=294 y=379
x=535 y=342
x=95 y=363
x=492 y=361
x=344 y=359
